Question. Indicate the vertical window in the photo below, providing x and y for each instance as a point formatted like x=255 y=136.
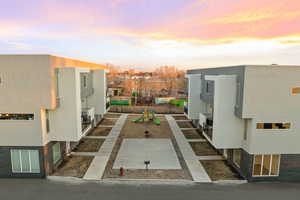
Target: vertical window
x=84 y=81
x=47 y=121
x=245 y=129
x=56 y=152
x=207 y=87
x=237 y=157
x=25 y=161
x=266 y=165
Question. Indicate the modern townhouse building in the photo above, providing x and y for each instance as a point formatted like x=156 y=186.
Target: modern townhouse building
x=47 y=104
x=252 y=115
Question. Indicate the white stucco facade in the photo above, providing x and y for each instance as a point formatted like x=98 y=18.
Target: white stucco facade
x=29 y=85
x=266 y=96
x=227 y=127
x=194 y=88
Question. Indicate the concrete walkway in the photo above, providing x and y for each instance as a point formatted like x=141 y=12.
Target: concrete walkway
x=196 y=169
x=211 y=157
x=185 y=129
x=95 y=137
x=97 y=167
x=197 y=140
x=106 y=126
x=183 y=120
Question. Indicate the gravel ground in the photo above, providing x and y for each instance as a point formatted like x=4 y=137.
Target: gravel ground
x=89 y=145
x=185 y=124
x=100 y=131
x=203 y=149
x=192 y=134
x=219 y=170
x=75 y=166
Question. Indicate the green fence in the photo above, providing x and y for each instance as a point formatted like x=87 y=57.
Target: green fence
x=120 y=102
x=177 y=102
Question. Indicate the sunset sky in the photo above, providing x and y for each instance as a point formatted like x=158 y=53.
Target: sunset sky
x=148 y=33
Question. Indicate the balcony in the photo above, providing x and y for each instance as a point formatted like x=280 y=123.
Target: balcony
x=206 y=123
x=87 y=118
x=186 y=110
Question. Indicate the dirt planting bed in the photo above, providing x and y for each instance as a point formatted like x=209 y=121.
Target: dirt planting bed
x=74 y=166
x=219 y=170
x=180 y=117
x=100 y=131
x=108 y=122
x=192 y=134
x=136 y=130
x=185 y=124
x=203 y=149
x=110 y=115
x=89 y=145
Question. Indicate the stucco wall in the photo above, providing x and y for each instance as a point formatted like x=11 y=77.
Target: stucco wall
x=194 y=106
x=65 y=121
x=268 y=99
x=227 y=127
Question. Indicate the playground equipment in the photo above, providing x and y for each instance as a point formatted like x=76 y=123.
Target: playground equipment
x=148 y=116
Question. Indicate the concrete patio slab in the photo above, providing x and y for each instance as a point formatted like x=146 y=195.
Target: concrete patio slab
x=160 y=153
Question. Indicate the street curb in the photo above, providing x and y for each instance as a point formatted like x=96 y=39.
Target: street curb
x=75 y=180
x=230 y=182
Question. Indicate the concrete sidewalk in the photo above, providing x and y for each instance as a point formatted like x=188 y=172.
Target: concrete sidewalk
x=97 y=167
x=192 y=161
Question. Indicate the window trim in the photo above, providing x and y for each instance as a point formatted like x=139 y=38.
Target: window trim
x=262 y=161
x=20 y=161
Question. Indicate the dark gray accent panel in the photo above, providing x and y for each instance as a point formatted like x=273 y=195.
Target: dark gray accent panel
x=246 y=163
x=6 y=167
x=289 y=168
x=207 y=96
x=50 y=166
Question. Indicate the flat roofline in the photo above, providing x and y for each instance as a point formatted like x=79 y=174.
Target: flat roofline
x=237 y=66
x=65 y=62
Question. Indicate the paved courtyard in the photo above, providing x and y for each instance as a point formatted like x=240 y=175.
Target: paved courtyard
x=160 y=153
x=175 y=149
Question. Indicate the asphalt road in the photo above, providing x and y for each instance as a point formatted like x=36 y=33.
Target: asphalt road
x=36 y=189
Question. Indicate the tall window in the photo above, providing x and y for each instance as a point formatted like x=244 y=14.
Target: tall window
x=84 y=81
x=25 y=161
x=47 y=121
x=266 y=165
x=56 y=152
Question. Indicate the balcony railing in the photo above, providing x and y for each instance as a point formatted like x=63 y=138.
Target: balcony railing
x=186 y=110
x=86 y=92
